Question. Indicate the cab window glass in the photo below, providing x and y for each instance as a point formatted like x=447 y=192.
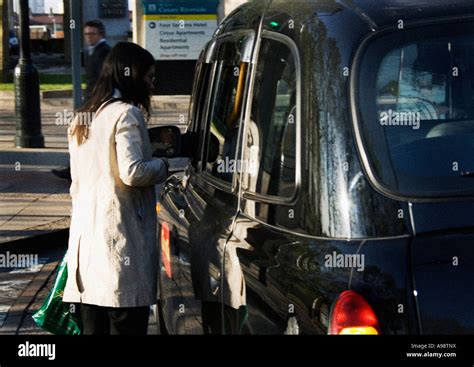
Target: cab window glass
x=226 y=109
x=198 y=107
x=270 y=153
x=417 y=102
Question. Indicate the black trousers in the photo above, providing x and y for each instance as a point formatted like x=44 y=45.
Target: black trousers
x=97 y=320
x=234 y=320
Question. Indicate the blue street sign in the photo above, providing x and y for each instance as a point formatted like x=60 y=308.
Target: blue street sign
x=163 y=7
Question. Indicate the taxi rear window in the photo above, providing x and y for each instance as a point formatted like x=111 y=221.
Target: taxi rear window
x=416 y=100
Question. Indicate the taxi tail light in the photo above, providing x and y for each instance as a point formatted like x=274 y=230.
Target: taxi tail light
x=352 y=314
x=165 y=248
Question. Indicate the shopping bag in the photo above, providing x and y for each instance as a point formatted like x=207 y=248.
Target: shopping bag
x=54 y=315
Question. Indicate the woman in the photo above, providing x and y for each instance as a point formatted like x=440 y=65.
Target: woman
x=112 y=256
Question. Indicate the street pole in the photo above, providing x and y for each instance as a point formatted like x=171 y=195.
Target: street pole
x=27 y=97
x=76 y=34
x=4 y=41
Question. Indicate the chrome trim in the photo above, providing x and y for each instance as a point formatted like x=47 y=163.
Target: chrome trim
x=412 y=218
x=321 y=238
x=217 y=183
x=210 y=48
x=207 y=104
x=294 y=50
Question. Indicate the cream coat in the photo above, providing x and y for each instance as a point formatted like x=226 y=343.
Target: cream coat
x=112 y=257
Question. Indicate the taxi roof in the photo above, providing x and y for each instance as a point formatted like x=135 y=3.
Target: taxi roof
x=381 y=13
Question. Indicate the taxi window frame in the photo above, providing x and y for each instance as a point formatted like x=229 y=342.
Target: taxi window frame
x=246 y=56
x=199 y=101
x=272 y=199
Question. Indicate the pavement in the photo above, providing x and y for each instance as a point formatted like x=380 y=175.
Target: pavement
x=34 y=202
x=24 y=290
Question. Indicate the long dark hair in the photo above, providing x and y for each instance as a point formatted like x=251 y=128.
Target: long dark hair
x=124 y=68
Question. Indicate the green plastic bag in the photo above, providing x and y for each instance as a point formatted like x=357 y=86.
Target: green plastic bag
x=54 y=315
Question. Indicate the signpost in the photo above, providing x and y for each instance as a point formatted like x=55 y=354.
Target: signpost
x=178 y=29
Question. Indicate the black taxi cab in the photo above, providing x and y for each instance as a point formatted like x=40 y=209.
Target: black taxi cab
x=330 y=188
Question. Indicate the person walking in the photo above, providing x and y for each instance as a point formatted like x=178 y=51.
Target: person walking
x=95 y=53
x=112 y=257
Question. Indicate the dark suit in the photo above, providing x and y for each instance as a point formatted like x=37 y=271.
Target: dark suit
x=93 y=65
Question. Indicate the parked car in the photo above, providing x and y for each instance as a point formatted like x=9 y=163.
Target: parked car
x=13 y=43
x=330 y=188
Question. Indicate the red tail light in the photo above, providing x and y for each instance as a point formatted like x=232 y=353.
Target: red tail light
x=165 y=248
x=352 y=314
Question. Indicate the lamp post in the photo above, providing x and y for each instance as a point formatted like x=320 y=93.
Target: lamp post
x=27 y=98
x=76 y=34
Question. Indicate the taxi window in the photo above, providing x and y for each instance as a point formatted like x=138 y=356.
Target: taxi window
x=271 y=142
x=416 y=93
x=225 y=116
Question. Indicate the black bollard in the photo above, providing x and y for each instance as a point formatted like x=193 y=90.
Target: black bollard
x=27 y=98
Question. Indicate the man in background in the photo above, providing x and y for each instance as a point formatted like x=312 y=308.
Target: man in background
x=95 y=52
